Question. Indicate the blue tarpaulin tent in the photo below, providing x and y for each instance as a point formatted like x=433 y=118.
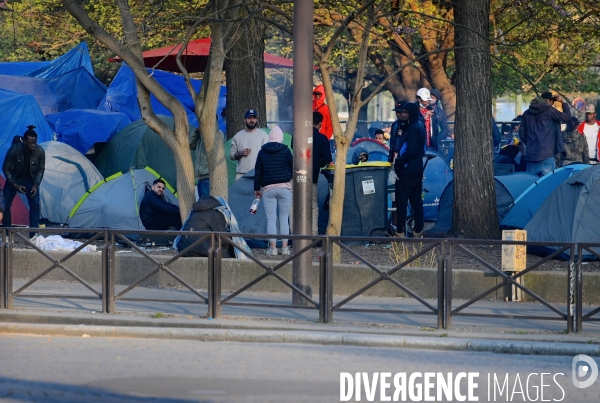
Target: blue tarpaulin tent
x=79 y=56
x=526 y=205
x=82 y=128
x=122 y=95
x=75 y=89
x=19 y=111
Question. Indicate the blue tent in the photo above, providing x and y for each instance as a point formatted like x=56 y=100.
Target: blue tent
x=526 y=205
x=508 y=188
x=19 y=111
x=376 y=151
x=79 y=56
x=436 y=178
x=122 y=95
x=82 y=128
x=75 y=89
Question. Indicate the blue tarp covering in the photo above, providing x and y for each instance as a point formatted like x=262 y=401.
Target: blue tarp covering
x=531 y=199
x=82 y=128
x=19 y=111
x=79 y=56
x=75 y=89
x=122 y=95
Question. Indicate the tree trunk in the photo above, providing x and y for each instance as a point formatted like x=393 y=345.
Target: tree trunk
x=245 y=75
x=475 y=212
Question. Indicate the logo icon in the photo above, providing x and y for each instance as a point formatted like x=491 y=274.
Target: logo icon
x=583 y=366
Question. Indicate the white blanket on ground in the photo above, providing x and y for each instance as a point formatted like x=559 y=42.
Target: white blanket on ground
x=57 y=242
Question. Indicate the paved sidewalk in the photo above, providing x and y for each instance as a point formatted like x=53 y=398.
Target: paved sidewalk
x=187 y=320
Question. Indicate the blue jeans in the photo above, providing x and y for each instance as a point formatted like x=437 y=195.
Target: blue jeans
x=541 y=168
x=34 y=202
x=277 y=203
x=203 y=187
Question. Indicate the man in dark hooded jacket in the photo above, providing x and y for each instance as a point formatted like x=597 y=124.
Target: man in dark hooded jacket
x=576 y=146
x=540 y=132
x=409 y=150
x=439 y=120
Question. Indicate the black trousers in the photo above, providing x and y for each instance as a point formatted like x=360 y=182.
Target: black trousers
x=163 y=222
x=409 y=189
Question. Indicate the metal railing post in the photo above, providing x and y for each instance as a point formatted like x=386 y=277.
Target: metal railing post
x=448 y=284
x=579 y=290
x=571 y=288
x=210 y=280
x=105 y=260
x=329 y=277
x=440 y=294
x=3 y=269
x=217 y=279
x=323 y=279
x=9 y=271
x=110 y=272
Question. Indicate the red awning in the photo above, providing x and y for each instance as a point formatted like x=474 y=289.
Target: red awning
x=195 y=57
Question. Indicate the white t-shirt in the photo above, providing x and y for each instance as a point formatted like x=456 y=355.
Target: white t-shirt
x=591 y=135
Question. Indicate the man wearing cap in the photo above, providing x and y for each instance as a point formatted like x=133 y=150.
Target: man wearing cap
x=541 y=134
x=246 y=144
x=439 y=120
x=24 y=167
x=423 y=99
x=591 y=130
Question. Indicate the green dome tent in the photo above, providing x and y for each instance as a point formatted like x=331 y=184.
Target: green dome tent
x=114 y=202
x=138 y=145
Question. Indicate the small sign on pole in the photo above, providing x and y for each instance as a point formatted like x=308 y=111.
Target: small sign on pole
x=514 y=259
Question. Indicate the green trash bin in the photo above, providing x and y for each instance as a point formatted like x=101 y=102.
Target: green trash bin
x=365 y=199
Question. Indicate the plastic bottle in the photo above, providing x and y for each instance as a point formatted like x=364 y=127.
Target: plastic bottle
x=254 y=206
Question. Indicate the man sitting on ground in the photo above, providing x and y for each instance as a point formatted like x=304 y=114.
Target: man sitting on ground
x=156 y=213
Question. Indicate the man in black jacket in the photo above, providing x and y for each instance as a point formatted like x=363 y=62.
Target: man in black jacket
x=409 y=150
x=321 y=158
x=23 y=168
x=156 y=213
x=540 y=132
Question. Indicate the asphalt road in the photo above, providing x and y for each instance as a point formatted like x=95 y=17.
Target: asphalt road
x=87 y=369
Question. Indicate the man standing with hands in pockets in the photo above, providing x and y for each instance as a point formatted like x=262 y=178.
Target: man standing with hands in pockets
x=246 y=144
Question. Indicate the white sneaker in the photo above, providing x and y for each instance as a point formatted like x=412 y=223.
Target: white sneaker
x=285 y=251
x=272 y=252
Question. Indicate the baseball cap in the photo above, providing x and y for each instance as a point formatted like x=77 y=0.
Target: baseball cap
x=399 y=106
x=250 y=112
x=424 y=94
x=590 y=109
x=546 y=95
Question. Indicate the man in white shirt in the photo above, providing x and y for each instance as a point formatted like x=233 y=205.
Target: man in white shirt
x=591 y=130
x=246 y=144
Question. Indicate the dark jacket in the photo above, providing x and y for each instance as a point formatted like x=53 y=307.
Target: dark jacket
x=540 y=131
x=203 y=218
x=576 y=149
x=321 y=154
x=411 y=146
x=152 y=206
x=15 y=157
x=398 y=128
x=274 y=164
x=439 y=122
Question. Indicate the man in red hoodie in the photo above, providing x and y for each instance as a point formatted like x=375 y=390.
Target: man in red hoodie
x=590 y=128
x=320 y=106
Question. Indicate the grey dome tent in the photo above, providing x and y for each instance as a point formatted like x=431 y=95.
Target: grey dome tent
x=508 y=188
x=114 y=202
x=569 y=214
x=68 y=175
x=138 y=145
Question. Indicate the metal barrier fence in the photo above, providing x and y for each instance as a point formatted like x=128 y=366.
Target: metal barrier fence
x=444 y=253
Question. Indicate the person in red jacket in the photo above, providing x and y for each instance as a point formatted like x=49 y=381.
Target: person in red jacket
x=320 y=106
x=590 y=128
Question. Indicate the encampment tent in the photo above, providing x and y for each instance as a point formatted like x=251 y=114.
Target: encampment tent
x=526 y=205
x=19 y=111
x=508 y=188
x=376 y=151
x=82 y=128
x=138 y=145
x=114 y=202
x=77 y=57
x=67 y=177
x=75 y=89
x=569 y=214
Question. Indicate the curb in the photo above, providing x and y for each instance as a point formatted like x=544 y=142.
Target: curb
x=307 y=337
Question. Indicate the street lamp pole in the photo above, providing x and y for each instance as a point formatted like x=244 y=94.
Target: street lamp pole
x=302 y=217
